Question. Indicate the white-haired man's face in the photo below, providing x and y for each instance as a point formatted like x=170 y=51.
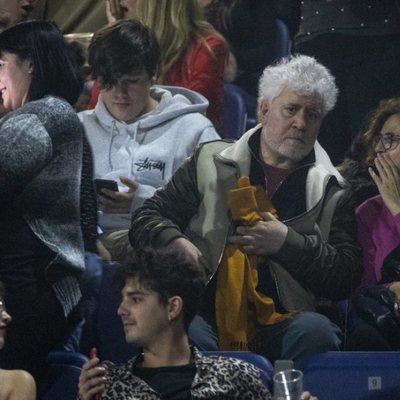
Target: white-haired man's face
x=291 y=123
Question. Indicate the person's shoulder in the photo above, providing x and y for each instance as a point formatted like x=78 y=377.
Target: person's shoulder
x=55 y=103
x=18 y=384
x=210 y=39
x=232 y=365
x=243 y=375
x=22 y=377
x=371 y=206
x=119 y=370
x=87 y=116
x=51 y=108
x=214 y=37
x=84 y=113
x=216 y=41
x=214 y=146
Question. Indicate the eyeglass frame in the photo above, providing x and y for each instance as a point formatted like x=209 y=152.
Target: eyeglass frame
x=381 y=137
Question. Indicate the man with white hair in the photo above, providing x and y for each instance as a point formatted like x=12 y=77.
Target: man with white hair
x=273 y=248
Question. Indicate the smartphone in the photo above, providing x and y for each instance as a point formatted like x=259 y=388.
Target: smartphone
x=93 y=354
x=105 y=184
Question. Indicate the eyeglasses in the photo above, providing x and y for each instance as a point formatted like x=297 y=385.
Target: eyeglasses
x=388 y=140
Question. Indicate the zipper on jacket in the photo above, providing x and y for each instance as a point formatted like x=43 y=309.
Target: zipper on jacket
x=293 y=219
x=230 y=228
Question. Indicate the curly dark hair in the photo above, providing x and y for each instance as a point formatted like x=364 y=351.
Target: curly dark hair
x=168 y=274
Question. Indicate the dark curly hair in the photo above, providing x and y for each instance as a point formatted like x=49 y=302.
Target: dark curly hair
x=168 y=274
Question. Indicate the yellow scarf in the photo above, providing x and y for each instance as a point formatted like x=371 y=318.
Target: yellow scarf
x=240 y=309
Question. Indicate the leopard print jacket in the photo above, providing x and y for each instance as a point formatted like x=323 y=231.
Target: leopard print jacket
x=217 y=377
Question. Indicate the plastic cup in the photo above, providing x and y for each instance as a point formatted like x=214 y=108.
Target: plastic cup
x=288 y=385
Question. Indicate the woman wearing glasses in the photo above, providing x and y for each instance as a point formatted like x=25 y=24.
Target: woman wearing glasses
x=373 y=170
x=14 y=384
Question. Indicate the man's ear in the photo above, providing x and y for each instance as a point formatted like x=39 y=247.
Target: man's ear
x=263 y=108
x=175 y=307
x=30 y=67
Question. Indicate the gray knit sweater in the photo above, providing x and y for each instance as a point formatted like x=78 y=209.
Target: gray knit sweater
x=40 y=176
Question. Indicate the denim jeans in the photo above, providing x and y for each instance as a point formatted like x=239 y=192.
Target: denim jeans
x=297 y=339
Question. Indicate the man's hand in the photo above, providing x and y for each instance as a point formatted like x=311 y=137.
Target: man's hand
x=118 y=202
x=307 y=396
x=187 y=248
x=264 y=238
x=91 y=380
x=388 y=181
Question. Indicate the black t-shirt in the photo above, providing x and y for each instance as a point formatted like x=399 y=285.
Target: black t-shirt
x=170 y=382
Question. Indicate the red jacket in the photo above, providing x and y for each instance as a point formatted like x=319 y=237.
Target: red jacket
x=202 y=69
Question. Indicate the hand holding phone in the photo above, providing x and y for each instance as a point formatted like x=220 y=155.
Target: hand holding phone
x=105 y=184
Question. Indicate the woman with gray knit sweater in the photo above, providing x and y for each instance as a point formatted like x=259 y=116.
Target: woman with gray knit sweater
x=41 y=178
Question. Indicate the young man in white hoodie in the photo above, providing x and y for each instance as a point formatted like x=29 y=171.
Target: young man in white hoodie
x=140 y=134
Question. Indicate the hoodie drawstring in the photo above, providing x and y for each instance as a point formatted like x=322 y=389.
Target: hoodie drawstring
x=114 y=133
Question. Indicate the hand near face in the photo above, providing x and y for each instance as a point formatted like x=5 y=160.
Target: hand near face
x=264 y=238
x=91 y=380
x=118 y=202
x=388 y=181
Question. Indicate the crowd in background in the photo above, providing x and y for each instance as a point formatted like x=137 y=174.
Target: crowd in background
x=111 y=143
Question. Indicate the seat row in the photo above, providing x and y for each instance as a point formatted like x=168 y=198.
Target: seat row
x=329 y=376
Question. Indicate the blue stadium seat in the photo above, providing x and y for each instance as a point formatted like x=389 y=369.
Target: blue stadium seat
x=111 y=337
x=265 y=367
x=282 y=48
x=354 y=376
x=283 y=40
x=234 y=115
x=103 y=327
x=63 y=376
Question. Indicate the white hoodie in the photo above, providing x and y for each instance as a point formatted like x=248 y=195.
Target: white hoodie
x=150 y=148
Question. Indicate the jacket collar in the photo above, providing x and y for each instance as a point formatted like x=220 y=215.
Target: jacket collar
x=320 y=172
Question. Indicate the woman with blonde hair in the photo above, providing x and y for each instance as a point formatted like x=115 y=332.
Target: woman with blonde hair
x=194 y=54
